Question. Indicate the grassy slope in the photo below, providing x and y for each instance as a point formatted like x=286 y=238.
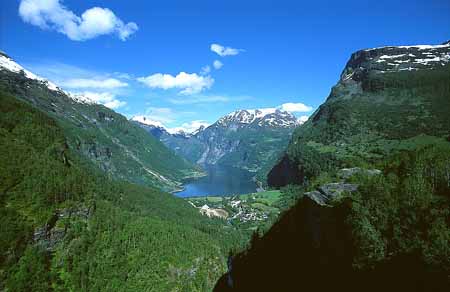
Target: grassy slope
x=130 y=237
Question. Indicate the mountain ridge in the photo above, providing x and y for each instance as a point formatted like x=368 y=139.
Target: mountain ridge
x=248 y=139
x=101 y=135
x=372 y=194
x=363 y=117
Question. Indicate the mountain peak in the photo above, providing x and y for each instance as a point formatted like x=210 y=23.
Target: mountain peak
x=395 y=59
x=146 y=121
x=8 y=64
x=272 y=117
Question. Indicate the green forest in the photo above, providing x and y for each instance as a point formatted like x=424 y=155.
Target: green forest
x=67 y=226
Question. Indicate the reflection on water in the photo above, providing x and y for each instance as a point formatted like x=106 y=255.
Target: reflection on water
x=220 y=181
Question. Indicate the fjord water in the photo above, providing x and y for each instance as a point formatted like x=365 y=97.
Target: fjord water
x=220 y=181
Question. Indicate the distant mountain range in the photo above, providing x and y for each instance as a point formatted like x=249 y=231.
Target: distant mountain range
x=247 y=139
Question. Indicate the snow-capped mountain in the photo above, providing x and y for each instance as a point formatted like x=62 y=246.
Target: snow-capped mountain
x=153 y=127
x=395 y=59
x=7 y=63
x=266 y=117
x=157 y=128
x=250 y=139
x=104 y=137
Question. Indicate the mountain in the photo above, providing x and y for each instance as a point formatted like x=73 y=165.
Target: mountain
x=109 y=140
x=371 y=169
x=366 y=230
x=68 y=226
x=247 y=139
x=387 y=99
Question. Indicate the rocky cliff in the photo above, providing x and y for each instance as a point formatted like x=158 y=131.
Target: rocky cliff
x=384 y=97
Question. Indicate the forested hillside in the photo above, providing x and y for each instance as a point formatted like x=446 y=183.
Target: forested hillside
x=381 y=232
x=372 y=170
x=117 y=146
x=373 y=111
x=67 y=226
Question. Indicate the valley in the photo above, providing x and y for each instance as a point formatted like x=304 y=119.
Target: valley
x=250 y=140
x=247 y=211
x=220 y=180
x=354 y=197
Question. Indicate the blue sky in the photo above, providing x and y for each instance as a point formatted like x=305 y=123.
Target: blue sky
x=129 y=54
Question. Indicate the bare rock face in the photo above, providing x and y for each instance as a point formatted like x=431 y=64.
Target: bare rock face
x=49 y=235
x=346 y=173
x=324 y=194
x=394 y=59
x=52 y=233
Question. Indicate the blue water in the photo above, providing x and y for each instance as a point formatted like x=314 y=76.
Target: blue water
x=220 y=181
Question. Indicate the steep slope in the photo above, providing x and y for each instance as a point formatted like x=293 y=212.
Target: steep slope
x=246 y=139
x=108 y=139
x=387 y=99
x=377 y=232
x=183 y=144
x=364 y=230
x=66 y=226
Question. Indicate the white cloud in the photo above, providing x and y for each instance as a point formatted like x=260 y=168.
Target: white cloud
x=199 y=99
x=190 y=83
x=188 y=127
x=96 y=21
x=113 y=104
x=295 y=107
x=224 y=51
x=160 y=114
x=147 y=121
x=92 y=83
x=106 y=98
x=302 y=119
x=205 y=70
x=217 y=64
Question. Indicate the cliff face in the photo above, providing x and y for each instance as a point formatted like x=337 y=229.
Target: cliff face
x=313 y=247
x=380 y=236
x=384 y=96
x=303 y=247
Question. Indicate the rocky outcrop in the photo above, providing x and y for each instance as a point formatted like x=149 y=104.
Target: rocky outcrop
x=346 y=173
x=312 y=248
x=326 y=193
x=53 y=232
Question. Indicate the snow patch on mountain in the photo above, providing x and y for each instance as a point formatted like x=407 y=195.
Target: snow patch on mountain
x=262 y=117
x=146 y=121
x=185 y=130
x=6 y=63
x=420 y=47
